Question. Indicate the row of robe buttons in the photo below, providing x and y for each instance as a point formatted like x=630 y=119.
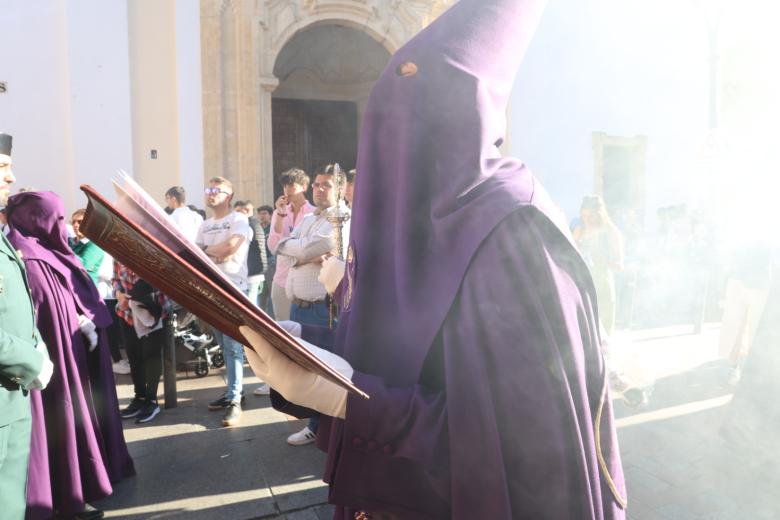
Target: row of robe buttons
x=358 y=442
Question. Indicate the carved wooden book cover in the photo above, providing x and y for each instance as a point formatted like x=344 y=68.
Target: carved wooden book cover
x=160 y=255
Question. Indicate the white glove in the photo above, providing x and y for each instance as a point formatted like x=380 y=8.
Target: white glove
x=47 y=369
x=88 y=329
x=295 y=383
x=293 y=327
x=331 y=273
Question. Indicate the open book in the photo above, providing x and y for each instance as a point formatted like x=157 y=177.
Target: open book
x=138 y=233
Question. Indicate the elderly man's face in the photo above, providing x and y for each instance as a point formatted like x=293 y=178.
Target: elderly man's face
x=6 y=178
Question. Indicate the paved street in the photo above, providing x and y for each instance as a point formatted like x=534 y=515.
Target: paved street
x=190 y=467
x=677 y=466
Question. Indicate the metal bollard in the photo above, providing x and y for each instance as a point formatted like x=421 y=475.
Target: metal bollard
x=169 y=365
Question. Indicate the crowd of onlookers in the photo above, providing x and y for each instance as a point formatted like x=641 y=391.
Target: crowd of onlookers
x=273 y=254
x=690 y=271
x=284 y=259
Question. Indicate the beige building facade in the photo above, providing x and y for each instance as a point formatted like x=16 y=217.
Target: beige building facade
x=177 y=91
x=258 y=55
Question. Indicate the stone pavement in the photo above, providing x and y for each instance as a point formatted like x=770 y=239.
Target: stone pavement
x=189 y=466
x=677 y=466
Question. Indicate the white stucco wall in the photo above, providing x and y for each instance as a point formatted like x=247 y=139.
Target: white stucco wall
x=100 y=90
x=622 y=67
x=68 y=99
x=190 y=98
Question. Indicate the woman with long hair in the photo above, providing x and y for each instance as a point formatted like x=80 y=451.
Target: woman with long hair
x=601 y=244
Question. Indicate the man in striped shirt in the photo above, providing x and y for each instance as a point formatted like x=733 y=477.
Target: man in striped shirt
x=303 y=252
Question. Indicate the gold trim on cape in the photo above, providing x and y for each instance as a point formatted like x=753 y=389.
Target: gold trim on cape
x=623 y=501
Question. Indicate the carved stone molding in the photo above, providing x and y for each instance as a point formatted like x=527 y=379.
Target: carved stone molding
x=390 y=22
x=269 y=83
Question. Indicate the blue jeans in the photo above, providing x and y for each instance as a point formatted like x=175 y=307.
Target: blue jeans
x=314 y=423
x=315 y=315
x=318 y=314
x=234 y=364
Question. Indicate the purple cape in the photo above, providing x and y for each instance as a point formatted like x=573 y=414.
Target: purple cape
x=78 y=446
x=467 y=313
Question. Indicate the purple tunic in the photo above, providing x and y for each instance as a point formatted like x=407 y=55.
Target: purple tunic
x=78 y=445
x=501 y=423
x=467 y=313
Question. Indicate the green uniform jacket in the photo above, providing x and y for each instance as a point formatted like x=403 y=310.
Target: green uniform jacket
x=20 y=363
x=91 y=256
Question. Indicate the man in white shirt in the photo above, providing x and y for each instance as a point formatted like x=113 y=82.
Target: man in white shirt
x=186 y=220
x=225 y=239
x=303 y=251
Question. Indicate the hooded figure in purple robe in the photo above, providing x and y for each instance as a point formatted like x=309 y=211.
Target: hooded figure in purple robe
x=467 y=314
x=78 y=447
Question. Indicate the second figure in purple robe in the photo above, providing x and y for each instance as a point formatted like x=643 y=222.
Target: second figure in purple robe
x=78 y=447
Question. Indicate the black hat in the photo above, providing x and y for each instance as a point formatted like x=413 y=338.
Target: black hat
x=5 y=143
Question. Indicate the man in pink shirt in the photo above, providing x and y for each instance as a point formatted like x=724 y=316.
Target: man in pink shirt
x=290 y=210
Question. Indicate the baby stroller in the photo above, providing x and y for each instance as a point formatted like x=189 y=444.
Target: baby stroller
x=206 y=352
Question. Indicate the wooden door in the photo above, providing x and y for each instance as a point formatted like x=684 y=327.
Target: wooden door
x=309 y=134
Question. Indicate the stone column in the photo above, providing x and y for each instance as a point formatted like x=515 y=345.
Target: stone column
x=211 y=67
x=265 y=181
x=230 y=90
x=248 y=101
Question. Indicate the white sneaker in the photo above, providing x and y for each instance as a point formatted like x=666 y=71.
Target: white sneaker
x=304 y=436
x=121 y=367
x=262 y=390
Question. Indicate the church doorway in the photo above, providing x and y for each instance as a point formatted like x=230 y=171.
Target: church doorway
x=325 y=74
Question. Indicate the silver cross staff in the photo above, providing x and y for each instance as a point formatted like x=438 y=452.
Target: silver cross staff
x=338 y=214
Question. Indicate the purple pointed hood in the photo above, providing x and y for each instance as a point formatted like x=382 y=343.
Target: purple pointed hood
x=432 y=181
x=37 y=229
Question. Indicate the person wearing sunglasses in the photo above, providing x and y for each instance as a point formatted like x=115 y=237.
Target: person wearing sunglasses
x=225 y=238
